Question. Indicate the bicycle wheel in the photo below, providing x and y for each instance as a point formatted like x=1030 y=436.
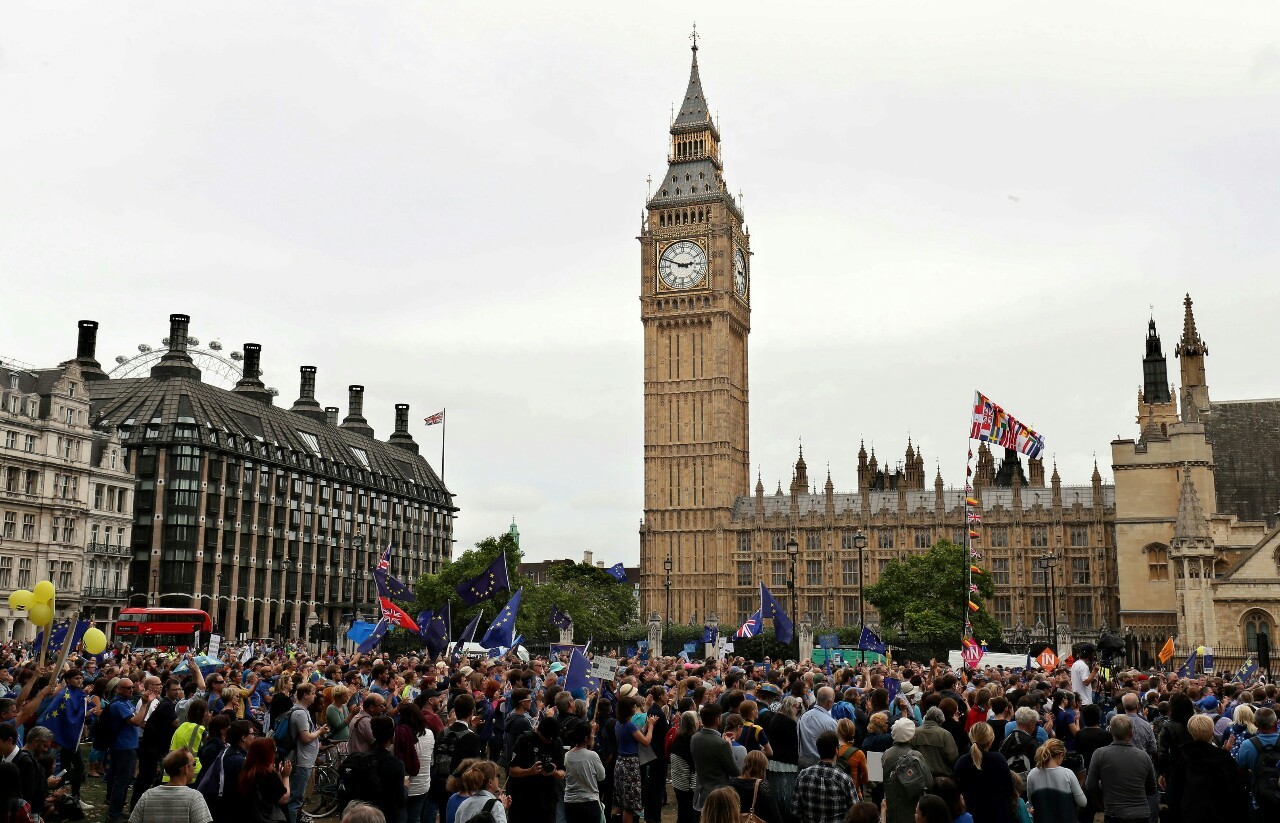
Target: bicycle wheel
x=322 y=798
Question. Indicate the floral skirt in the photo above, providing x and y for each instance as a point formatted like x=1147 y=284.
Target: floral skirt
x=626 y=784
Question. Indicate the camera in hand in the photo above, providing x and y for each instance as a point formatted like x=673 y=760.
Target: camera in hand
x=548 y=765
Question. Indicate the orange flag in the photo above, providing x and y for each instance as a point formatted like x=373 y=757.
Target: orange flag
x=1166 y=652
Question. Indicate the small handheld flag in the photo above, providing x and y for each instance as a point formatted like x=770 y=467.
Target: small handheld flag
x=1166 y=651
x=502 y=630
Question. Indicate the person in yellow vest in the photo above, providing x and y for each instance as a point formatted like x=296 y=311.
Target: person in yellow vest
x=191 y=734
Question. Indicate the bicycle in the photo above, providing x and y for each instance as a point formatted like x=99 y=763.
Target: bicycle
x=321 y=797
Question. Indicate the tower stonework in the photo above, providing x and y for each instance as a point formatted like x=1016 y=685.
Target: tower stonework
x=695 y=308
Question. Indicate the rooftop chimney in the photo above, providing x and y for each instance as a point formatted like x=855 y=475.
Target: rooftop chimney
x=306 y=404
x=250 y=384
x=354 y=421
x=331 y=415
x=176 y=362
x=402 y=438
x=86 y=351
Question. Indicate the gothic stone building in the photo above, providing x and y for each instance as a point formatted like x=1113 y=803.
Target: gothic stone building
x=1197 y=547
x=270 y=519
x=66 y=497
x=695 y=306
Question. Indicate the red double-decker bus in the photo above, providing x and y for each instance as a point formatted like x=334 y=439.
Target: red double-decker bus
x=164 y=629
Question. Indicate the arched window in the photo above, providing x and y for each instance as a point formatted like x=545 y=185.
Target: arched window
x=1157 y=561
x=1256 y=623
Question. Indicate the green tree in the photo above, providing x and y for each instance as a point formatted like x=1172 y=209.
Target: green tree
x=598 y=604
x=929 y=592
x=433 y=590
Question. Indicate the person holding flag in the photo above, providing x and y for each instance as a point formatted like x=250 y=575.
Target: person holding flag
x=65 y=718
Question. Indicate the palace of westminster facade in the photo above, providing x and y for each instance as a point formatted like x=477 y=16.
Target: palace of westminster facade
x=1127 y=556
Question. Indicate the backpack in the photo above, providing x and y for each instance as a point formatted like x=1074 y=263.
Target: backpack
x=1014 y=751
x=1266 y=778
x=485 y=815
x=105 y=730
x=282 y=733
x=910 y=773
x=442 y=764
x=213 y=782
x=358 y=779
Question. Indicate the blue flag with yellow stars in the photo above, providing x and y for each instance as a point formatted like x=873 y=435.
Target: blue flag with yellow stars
x=560 y=619
x=502 y=630
x=783 y=628
x=486 y=583
x=617 y=572
x=65 y=717
x=468 y=635
x=1188 y=669
x=437 y=631
x=1247 y=670
x=374 y=638
x=59 y=635
x=391 y=586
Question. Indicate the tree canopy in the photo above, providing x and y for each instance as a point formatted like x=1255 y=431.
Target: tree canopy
x=928 y=591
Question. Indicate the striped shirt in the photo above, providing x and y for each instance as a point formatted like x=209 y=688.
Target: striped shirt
x=171 y=804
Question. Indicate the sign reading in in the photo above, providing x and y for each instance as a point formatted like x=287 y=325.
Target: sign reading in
x=1047 y=659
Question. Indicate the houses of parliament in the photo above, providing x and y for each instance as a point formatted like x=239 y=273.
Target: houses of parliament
x=1119 y=555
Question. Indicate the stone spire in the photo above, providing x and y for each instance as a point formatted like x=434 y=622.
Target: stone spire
x=1155 y=368
x=1192 y=350
x=694 y=110
x=1191 y=523
x=863 y=480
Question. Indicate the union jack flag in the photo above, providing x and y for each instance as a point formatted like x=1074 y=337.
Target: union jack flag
x=438 y=417
x=752 y=627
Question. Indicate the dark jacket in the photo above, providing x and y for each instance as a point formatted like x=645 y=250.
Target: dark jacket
x=784 y=737
x=1205 y=786
x=713 y=763
x=766 y=806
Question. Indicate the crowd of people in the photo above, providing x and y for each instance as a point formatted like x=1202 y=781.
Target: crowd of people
x=716 y=741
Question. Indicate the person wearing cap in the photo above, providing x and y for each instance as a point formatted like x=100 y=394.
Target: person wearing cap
x=900 y=803
x=535 y=774
x=429 y=700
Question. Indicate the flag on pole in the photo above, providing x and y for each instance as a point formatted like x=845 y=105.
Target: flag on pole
x=871 y=642
x=59 y=634
x=374 y=637
x=65 y=715
x=397 y=616
x=434 y=419
x=502 y=629
x=468 y=634
x=560 y=619
x=994 y=425
x=483 y=585
x=710 y=633
x=576 y=675
x=1166 y=651
x=389 y=583
x=617 y=572
x=437 y=630
x=1247 y=670
x=1188 y=668
x=769 y=607
x=752 y=627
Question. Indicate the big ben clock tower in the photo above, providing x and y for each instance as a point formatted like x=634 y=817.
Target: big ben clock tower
x=695 y=290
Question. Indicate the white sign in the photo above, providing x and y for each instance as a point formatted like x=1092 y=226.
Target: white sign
x=875 y=767
x=603 y=668
x=215 y=644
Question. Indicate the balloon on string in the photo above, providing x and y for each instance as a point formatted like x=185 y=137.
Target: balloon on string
x=21 y=599
x=95 y=642
x=43 y=592
x=41 y=614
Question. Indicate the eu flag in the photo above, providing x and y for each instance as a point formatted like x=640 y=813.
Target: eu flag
x=486 y=583
x=1189 y=668
x=59 y=634
x=1247 y=670
x=617 y=572
x=870 y=641
x=436 y=635
x=710 y=634
x=502 y=630
x=560 y=619
x=468 y=635
x=769 y=607
x=389 y=583
x=65 y=717
x=576 y=676
x=374 y=638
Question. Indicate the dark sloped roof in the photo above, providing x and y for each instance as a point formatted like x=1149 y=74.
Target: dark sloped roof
x=1246 y=455
x=140 y=402
x=693 y=109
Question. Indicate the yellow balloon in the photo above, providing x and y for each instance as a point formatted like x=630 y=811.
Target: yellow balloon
x=94 y=641
x=43 y=591
x=41 y=614
x=21 y=599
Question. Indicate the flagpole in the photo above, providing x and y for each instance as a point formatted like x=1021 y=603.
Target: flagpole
x=444 y=430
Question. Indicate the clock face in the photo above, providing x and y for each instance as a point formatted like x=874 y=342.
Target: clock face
x=739 y=273
x=683 y=264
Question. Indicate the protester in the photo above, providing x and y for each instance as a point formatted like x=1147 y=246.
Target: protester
x=480 y=782
x=173 y=801
x=1123 y=773
x=1054 y=792
x=984 y=779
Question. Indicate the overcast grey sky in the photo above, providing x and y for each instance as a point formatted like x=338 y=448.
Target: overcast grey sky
x=440 y=201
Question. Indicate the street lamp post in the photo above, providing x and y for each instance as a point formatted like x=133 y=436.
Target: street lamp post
x=860 y=543
x=666 y=567
x=1046 y=562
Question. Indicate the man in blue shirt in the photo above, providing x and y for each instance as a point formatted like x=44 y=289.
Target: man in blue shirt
x=1247 y=757
x=124 y=749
